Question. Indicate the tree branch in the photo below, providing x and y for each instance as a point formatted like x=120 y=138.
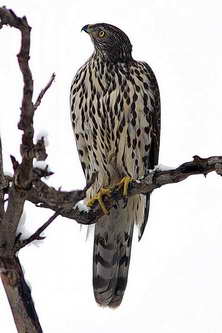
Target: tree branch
x=36 y=236
x=3 y=184
x=19 y=296
x=48 y=197
x=43 y=91
x=18 y=293
x=23 y=172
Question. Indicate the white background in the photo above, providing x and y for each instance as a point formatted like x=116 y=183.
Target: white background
x=175 y=280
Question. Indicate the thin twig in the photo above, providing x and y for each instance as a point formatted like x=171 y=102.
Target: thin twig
x=36 y=236
x=43 y=91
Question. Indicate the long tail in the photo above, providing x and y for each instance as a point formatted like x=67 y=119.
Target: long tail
x=111 y=255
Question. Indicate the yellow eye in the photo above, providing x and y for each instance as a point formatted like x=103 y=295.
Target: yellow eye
x=101 y=33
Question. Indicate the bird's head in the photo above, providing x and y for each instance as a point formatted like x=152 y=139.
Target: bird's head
x=110 y=42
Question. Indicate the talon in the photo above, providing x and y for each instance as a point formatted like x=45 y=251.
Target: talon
x=99 y=197
x=125 y=184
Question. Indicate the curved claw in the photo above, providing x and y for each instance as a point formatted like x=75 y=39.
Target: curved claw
x=99 y=197
x=125 y=184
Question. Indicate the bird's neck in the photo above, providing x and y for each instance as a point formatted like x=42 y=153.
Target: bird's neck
x=115 y=56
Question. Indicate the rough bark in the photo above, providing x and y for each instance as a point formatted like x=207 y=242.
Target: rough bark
x=18 y=293
x=19 y=296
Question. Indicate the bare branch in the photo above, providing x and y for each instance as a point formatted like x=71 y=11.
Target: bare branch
x=17 y=291
x=8 y=17
x=41 y=173
x=48 y=197
x=36 y=236
x=15 y=163
x=37 y=151
x=43 y=91
x=3 y=184
x=19 y=296
x=40 y=150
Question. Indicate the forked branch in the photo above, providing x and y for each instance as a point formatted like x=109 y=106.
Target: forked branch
x=18 y=293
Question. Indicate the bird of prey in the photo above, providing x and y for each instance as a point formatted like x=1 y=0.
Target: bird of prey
x=115 y=113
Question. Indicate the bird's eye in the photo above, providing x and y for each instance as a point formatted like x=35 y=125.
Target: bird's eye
x=101 y=34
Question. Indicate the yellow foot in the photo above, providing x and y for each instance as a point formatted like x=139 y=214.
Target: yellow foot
x=125 y=184
x=99 y=197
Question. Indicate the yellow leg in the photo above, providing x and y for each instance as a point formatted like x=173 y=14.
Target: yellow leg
x=125 y=184
x=99 y=197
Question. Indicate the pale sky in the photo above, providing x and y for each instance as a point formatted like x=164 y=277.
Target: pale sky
x=175 y=274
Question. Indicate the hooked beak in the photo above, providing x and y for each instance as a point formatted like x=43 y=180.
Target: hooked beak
x=87 y=28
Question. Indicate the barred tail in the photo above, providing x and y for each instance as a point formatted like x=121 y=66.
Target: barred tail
x=111 y=256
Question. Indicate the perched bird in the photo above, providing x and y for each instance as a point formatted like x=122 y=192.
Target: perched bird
x=115 y=112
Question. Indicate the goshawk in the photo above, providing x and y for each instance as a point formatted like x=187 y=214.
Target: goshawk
x=115 y=112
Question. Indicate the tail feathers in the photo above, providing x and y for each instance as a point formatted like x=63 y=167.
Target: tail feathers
x=111 y=262
x=142 y=226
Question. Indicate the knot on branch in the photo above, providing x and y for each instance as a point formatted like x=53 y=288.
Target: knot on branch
x=37 y=151
x=25 y=123
x=10 y=277
x=6 y=263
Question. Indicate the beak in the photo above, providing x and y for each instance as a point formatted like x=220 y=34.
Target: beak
x=87 y=28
